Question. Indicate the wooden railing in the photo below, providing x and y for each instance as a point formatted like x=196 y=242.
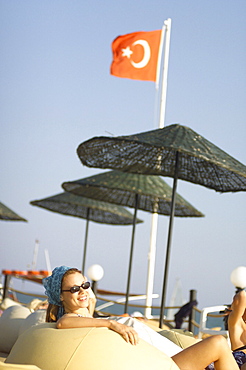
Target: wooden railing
x=192 y=323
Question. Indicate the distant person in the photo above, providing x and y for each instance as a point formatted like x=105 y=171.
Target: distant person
x=68 y=296
x=183 y=312
x=237 y=328
x=37 y=304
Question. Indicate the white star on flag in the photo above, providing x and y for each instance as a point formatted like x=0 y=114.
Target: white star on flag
x=127 y=52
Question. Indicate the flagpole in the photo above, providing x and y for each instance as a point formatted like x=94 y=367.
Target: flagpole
x=166 y=29
x=167 y=24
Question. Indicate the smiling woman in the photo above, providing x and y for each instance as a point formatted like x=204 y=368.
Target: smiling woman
x=65 y=283
x=69 y=306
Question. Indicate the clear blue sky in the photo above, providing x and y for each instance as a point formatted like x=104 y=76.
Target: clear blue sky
x=56 y=92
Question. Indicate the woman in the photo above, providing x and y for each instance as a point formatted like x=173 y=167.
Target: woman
x=68 y=295
x=237 y=328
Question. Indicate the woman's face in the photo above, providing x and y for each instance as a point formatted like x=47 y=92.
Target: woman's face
x=74 y=301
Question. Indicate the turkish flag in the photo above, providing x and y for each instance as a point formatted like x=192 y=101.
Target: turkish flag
x=135 y=55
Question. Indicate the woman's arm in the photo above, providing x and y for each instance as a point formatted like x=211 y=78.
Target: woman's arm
x=71 y=321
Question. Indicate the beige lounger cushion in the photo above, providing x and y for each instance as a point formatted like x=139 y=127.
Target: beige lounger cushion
x=10 y=323
x=4 y=366
x=35 y=318
x=8 y=302
x=182 y=340
x=84 y=348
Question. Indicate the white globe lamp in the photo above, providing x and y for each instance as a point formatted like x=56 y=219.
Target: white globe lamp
x=95 y=273
x=238 y=277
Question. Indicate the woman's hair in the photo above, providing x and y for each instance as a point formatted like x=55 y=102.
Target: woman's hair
x=52 y=310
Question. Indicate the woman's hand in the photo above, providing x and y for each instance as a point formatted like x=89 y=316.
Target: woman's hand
x=127 y=332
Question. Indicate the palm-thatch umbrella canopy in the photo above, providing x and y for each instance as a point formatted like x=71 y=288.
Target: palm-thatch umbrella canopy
x=86 y=208
x=175 y=151
x=7 y=214
x=148 y=193
x=154 y=194
x=154 y=153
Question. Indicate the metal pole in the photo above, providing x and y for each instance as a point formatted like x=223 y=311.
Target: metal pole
x=94 y=287
x=131 y=253
x=6 y=286
x=175 y=180
x=193 y=295
x=86 y=238
x=167 y=24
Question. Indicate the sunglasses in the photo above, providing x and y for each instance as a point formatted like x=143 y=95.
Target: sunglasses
x=76 y=288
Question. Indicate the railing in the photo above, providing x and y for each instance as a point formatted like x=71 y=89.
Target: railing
x=36 y=295
x=193 y=325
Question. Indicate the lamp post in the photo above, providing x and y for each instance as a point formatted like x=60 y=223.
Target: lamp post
x=238 y=278
x=95 y=273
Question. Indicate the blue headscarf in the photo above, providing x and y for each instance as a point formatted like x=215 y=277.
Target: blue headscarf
x=52 y=286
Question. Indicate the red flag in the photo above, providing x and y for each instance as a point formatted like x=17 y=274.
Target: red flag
x=135 y=55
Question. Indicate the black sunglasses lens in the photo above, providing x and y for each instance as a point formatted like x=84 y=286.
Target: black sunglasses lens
x=74 y=289
x=86 y=285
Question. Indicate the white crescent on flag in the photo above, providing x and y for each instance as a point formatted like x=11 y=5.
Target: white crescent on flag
x=146 y=56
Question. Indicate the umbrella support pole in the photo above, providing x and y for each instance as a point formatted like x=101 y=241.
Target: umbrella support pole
x=175 y=180
x=131 y=253
x=86 y=238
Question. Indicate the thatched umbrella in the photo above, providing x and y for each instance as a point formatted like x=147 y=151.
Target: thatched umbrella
x=89 y=209
x=175 y=151
x=7 y=214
